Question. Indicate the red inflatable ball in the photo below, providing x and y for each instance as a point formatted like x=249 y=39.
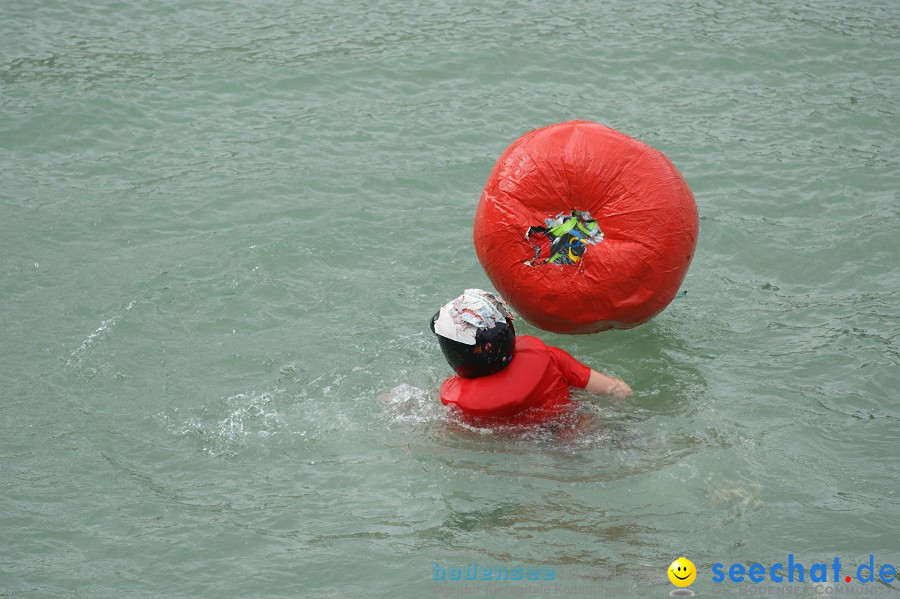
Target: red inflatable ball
x=582 y=228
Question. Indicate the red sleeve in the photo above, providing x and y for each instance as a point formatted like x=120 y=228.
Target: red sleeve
x=575 y=373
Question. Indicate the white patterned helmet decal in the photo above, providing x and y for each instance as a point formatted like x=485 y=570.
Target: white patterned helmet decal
x=461 y=319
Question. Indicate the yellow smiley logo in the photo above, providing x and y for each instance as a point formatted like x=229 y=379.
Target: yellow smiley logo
x=682 y=572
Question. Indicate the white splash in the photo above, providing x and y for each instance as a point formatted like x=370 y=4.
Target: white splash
x=78 y=354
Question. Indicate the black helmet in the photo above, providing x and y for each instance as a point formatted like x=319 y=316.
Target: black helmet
x=476 y=333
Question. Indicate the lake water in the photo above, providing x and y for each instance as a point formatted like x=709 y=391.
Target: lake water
x=224 y=226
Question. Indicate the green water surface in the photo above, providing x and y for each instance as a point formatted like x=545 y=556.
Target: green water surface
x=224 y=226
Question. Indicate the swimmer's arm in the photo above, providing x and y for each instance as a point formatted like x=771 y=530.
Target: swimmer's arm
x=574 y=371
x=600 y=383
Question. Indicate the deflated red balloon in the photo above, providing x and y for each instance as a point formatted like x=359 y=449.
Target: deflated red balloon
x=582 y=228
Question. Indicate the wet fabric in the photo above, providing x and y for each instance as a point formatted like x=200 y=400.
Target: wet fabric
x=537 y=380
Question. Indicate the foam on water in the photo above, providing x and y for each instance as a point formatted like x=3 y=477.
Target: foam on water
x=76 y=357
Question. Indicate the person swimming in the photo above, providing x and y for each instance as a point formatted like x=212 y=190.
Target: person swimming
x=503 y=376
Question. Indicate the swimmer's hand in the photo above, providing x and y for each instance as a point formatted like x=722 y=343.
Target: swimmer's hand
x=607 y=385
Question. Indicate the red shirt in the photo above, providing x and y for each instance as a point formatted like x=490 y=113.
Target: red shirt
x=537 y=380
